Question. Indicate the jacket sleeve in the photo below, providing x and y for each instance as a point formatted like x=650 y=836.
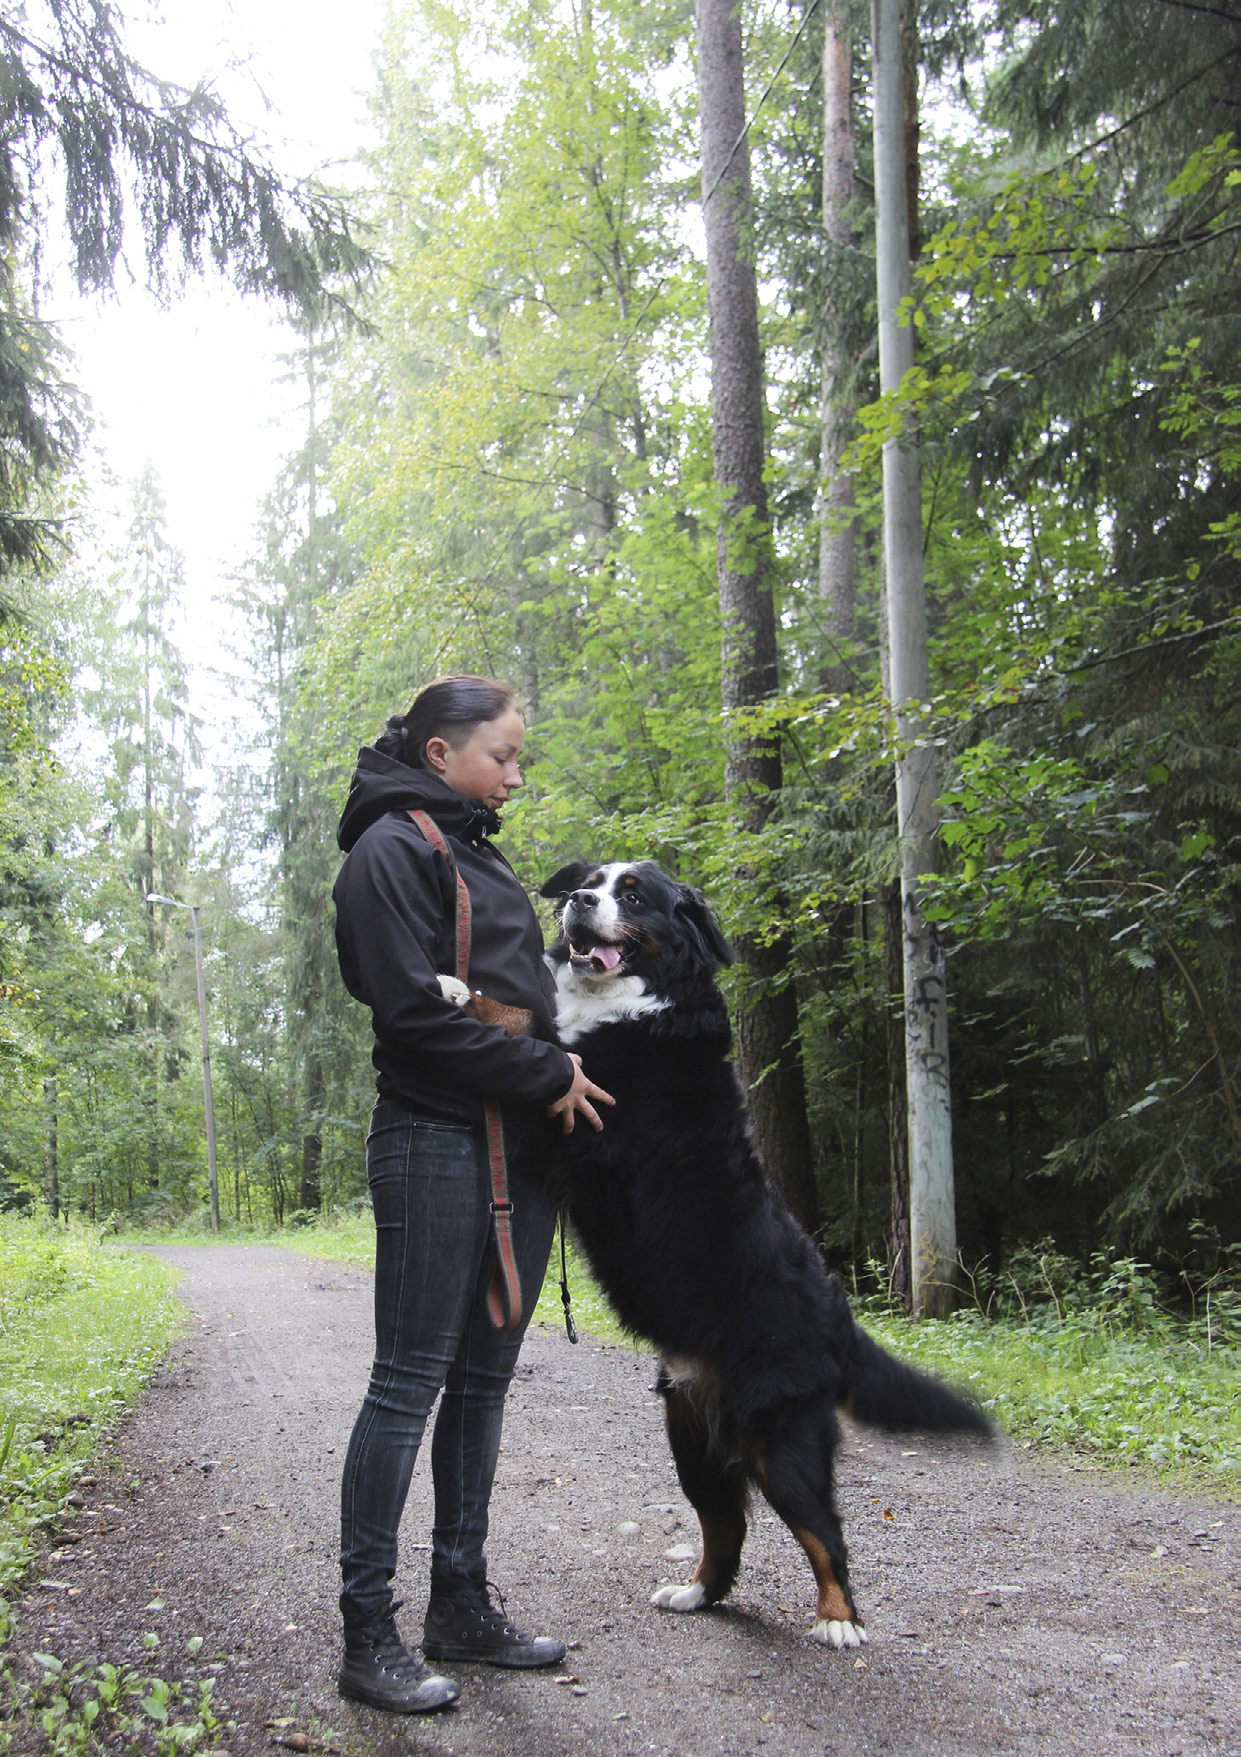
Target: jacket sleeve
x=390 y=920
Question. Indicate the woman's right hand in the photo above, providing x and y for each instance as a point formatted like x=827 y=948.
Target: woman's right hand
x=578 y=1099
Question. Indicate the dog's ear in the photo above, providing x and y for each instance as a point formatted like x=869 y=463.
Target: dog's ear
x=568 y=879
x=691 y=909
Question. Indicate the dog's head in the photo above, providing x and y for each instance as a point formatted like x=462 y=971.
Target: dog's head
x=627 y=918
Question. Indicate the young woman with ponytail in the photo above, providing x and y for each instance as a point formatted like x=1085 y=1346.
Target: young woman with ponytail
x=423 y=805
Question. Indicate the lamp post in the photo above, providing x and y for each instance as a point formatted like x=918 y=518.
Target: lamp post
x=208 y=1107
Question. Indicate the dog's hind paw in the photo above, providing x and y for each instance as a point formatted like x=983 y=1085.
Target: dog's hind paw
x=453 y=989
x=680 y=1598
x=839 y=1634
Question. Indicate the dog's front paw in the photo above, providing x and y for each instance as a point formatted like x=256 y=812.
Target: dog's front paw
x=680 y=1598
x=839 y=1634
x=453 y=989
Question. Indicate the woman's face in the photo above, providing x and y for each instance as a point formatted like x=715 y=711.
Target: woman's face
x=485 y=766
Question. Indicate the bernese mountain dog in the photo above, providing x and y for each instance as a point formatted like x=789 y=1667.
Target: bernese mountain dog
x=695 y=1249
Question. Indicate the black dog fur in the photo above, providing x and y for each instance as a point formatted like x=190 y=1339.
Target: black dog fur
x=695 y=1249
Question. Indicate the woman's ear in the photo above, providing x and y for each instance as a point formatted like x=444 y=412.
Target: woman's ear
x=434 y=753
x=568 y=879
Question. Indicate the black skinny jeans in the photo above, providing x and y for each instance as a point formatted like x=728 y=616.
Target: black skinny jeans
x=430 y=1186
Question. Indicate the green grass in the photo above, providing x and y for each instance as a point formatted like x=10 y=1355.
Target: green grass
x=82 y=1327
x=1072 y=1382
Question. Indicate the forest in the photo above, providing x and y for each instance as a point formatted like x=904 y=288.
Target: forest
x=516 y=377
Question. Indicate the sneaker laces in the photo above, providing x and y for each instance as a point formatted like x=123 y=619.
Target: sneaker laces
x=387 y=1648
x=478 y=1600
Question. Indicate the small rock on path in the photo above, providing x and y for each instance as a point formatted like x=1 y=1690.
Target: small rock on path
x=1013 y=1607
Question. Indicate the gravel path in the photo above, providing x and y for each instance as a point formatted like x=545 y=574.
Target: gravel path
x=1013 y=1607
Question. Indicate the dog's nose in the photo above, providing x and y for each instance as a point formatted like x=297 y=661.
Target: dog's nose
x=584 y=897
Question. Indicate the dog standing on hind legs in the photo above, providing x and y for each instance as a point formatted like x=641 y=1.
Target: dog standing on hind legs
x=697 y=1252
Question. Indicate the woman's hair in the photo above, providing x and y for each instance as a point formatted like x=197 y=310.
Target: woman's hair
x=450 y=708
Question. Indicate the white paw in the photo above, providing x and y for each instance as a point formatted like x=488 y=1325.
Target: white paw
x=680 y=1598
x=453 y=989
x=839 y=1634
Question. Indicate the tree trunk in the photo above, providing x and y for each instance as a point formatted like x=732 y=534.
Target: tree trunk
x=310 y=1195
x=931 y=1196
x=899 y=1280
x=768 y=1041
x=51 y=1149
x=837 y=588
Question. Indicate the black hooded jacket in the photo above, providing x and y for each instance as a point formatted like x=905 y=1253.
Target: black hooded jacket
x=395 y=933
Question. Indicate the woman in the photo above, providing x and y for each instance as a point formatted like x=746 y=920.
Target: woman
x=454 y=756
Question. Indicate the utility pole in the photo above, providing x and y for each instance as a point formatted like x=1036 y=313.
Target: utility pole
x=932 y=1204
x=208 y=1107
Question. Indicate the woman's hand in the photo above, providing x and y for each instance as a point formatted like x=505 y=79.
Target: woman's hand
x=577 y=1099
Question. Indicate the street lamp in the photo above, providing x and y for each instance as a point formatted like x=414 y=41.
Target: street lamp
x=209 y=1108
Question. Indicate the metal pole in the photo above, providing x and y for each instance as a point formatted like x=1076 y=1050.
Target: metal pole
x=208 y=1106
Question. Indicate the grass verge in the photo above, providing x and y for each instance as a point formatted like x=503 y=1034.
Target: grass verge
x=1074 y=1384
x=82 y=1327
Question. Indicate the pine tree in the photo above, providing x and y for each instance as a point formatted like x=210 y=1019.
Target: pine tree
x=121 y=152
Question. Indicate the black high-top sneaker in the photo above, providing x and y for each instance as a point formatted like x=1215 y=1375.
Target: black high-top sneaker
x=379 y=1669
x=462 y=1623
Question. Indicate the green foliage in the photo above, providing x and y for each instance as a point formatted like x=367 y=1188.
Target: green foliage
x=1091 y=1362
x=82 y=1327
x=511 y=471
x=88 y=1708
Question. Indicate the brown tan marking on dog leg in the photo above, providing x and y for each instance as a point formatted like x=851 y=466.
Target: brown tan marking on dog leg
x=834 y=1603
x=836 y=1620
x=722 y=1538
x=704 y=1450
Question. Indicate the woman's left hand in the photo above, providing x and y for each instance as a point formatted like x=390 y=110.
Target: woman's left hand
x=577 y=1099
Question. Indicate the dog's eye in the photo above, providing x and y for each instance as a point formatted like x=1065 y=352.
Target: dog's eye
x=631 y=900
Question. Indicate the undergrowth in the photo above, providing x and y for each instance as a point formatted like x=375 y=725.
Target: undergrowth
x=82 y=1326
x=81 y=1329
x=1090 y=1360
x=90 y=1708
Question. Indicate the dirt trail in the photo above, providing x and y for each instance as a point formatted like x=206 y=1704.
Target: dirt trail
x=1012 y=1607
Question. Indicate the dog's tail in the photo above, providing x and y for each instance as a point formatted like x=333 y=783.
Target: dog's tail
x=886 y=1393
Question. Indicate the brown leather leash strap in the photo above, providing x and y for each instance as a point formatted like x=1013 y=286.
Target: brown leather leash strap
x=504 y=1291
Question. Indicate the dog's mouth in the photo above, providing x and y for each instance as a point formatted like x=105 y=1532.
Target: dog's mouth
x=589 y=953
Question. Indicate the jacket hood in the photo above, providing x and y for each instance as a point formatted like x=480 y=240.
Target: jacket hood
x=380 y=784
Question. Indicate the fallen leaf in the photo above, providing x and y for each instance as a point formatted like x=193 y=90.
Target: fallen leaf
x=568 y=1679
x=282 y=1720
x=888 y=1513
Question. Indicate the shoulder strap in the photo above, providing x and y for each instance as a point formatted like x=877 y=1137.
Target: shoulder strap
x=504 y=1290
x=436 y=837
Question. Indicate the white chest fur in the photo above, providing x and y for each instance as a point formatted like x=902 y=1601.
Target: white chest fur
x=583 y=1003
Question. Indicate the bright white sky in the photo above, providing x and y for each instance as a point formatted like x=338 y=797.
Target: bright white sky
x=195 y=388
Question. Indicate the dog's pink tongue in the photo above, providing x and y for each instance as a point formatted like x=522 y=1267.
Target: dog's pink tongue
x=608 y=956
